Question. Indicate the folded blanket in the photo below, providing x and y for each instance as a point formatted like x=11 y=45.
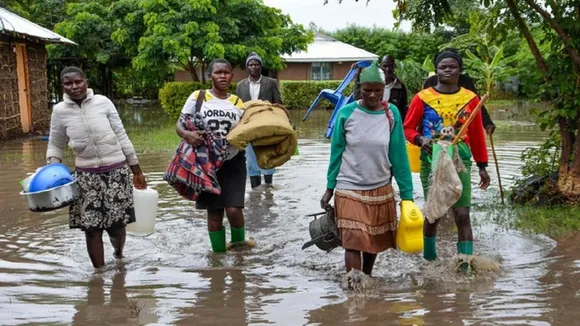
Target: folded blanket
x=268 y=128
x=193 y=169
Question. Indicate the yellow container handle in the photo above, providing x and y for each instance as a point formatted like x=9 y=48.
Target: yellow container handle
x=412 y=209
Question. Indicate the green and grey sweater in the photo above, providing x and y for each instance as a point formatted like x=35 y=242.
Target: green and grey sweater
x=365 y=150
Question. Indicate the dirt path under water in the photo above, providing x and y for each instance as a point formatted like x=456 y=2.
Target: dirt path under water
x=171 y=277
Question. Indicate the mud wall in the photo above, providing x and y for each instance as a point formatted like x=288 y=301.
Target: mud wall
x=38 y=86
x=9 y=109
x=10 y=124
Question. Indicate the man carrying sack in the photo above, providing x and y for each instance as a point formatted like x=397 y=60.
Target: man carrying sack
x=257 y=87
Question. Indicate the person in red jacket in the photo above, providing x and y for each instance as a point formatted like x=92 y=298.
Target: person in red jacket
x=466 y=82
x=443 y=106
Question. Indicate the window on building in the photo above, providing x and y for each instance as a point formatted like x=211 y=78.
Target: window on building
x=321 y=71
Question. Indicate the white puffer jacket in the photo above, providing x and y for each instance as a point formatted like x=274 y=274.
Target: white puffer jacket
x=94 y=130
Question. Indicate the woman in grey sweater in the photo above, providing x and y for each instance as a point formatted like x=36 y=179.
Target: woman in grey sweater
x=103 y=152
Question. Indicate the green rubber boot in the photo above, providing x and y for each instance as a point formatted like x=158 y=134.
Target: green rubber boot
x=239 y=239
x=218 y=240
x=465 y=248
x=429 y=252
x=238 y=235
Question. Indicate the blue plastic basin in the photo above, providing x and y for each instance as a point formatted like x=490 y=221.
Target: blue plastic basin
x=50 y=176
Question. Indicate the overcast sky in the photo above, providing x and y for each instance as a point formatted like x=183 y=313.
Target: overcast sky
x=334 y=16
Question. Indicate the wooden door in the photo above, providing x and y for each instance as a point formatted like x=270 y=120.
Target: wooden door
x=23 y=88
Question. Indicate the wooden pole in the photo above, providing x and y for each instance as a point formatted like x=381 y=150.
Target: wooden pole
x=497 y=169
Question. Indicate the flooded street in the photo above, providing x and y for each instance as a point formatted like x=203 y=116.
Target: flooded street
x=172 y=277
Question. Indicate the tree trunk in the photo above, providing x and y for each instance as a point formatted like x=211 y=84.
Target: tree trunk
x=110 y=82
x=569 y=186
x=107 y=85
x=569 y=172
x=192 y=71
x=513 y=8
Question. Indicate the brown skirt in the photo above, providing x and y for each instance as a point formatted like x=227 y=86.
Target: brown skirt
x=367 y=219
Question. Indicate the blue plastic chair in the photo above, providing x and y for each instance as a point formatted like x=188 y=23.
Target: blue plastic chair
x=336 y=97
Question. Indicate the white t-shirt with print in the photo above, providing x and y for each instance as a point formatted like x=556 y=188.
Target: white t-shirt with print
x=219 y=115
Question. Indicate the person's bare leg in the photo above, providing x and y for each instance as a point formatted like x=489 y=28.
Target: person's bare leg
x=94 y=240
x=463 y=222
x=215 y=220
x=235 y=217
x=352 y=260
x=368 y=260
x=118 y=236
x=430 y=229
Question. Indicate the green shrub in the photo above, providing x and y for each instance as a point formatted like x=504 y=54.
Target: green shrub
x=173 y=95
x=301 y=94
x=295 y=94
x=413 y=75
x=536 y=183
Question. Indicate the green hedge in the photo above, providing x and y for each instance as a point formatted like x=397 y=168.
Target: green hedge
x=301 y=94
x=295 y=94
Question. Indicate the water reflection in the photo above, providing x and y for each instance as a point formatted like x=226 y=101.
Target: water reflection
x=142 y=115
x=517 y=111
x=258 y=211
x=222 y=302
x=117 y=308
x=371 y=310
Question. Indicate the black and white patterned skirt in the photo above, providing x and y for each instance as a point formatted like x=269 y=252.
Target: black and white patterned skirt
x=106 y=200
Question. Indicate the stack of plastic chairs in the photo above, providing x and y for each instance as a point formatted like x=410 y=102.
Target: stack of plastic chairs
x=336 y=97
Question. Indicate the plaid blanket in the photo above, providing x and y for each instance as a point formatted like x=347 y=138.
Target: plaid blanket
x=193 y=169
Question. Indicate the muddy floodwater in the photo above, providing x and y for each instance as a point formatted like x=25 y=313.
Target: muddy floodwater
x=171 y=277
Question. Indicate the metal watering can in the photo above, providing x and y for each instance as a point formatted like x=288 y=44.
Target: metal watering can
x=323 y=231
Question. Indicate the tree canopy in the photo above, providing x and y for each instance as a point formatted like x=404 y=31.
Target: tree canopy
x=192 y=33
x=46 y=13
x=398 y=44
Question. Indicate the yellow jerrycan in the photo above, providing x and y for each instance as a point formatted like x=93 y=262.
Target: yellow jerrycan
x=414 y=154
x=410 y=230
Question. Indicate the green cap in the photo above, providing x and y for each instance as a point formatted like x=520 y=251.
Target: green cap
x=371 y=74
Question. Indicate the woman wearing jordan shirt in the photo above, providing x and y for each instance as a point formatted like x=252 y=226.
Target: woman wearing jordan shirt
x=221 y=111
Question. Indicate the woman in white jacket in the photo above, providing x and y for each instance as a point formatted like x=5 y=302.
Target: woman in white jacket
x=102 y=151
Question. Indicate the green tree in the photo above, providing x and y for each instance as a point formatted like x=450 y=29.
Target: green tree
x=90 y=25
x=97 y=26
x=491 y=68
x=45 y=13
x=495 y=68
x=527 y=67
x=382 y=41
x=413 y=74
x=192 y=33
